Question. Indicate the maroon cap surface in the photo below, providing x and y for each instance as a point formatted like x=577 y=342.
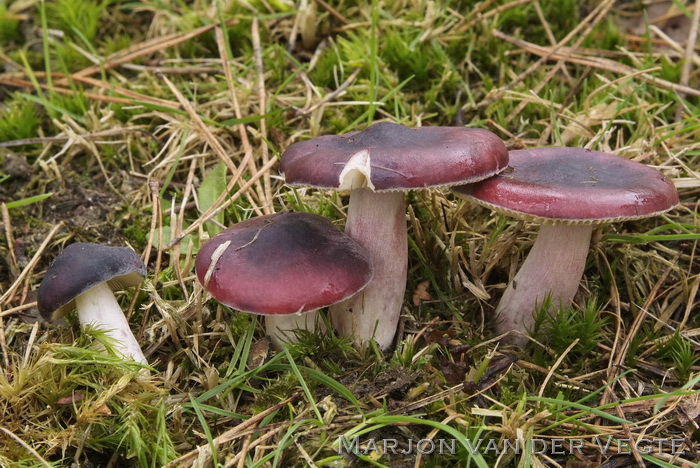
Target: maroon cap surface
x=81 y=266
x=574 y=186
x=283 y=264
x=401 y=158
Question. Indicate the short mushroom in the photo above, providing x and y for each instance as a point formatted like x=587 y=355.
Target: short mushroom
x=378 y=165
x=283 y=266
x=567 y=191
x=83 y=277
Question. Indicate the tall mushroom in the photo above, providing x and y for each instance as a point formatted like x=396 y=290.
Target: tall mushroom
x=377 y=165
x=283 y=266
x=567 y=191
x=83 y=277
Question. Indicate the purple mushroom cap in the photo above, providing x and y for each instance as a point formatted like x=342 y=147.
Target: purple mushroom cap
x=81 y=266
x=401 y=158
x=574 y=186
x=282 y=264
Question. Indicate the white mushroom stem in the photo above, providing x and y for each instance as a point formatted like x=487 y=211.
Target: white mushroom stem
x=281 y=328
x=554 y=266
x=376 y=221
x=99 y=308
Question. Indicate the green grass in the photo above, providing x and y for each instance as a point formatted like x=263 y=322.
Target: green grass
x=77 y=384
x=9 y=26
x=20 y=119
x=567 y=324
x=427 y=63
x=79 y=19
x=679 y=351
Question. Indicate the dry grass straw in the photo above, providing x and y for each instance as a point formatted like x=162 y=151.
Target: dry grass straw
x=595 y=62
x=462 y=256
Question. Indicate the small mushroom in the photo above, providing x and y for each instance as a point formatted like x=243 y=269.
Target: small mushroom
x=83 y=277
x=567 y=191
x=378 y=165
x=284 y=266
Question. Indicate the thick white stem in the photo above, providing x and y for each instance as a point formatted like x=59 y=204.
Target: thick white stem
x=99 y=308
x=376 y=221
x=280 y=328
x=554 y=266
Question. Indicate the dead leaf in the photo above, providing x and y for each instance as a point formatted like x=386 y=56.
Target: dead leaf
x=72 y=398
x=421 y=293
x=454 y=372
x=103 y=409
x=689 y=410
x=258 y=353
x=580 y=464
x=441 y=337
x=663 y=14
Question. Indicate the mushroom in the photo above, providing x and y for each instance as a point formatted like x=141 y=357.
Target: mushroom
x=567 y=191
x=377 y=165
x=83 y=277
x=283 y=266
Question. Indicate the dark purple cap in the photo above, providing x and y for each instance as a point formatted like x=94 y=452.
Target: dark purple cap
x=399 y=158
x=82 y=266
x=282 y=264
x=574 y=186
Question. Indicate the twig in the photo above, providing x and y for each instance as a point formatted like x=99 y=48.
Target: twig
x=206 y=133
x=245 y=447
x=215 y=145
x=262 y=438
x=330 y=96
x=18 y=309
x=232 y=434
x=305 y=455
x=615 y=364
x=30 y=343
x=72 y=129
x=247 y=148
x=27 y=447
x=146 y=48
x=111 y=87
x=588 y=23
x=186 y=207
x=667 y=41
x=138 y=175
x=17 y=83
x=573 y=91
x=625 y=427
x=262 y=93
x=3 y=343
x=535 y=367
x=271 y=428
x=431 y=435
x=213 y=211
x=156 y=220
x=691 y=301
x=554 y=367
x=7 y=221
x=155 y=217
x=172 y=70
x=179 y=222
x=593 y=62
x=689 y=53
x=477 y=16
x=333 y=12
x=7 y=59
x=551 y=38
x=9 y=294
x=125 y=92
x=87 y=136
x=633 y=38
x=8 y=235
